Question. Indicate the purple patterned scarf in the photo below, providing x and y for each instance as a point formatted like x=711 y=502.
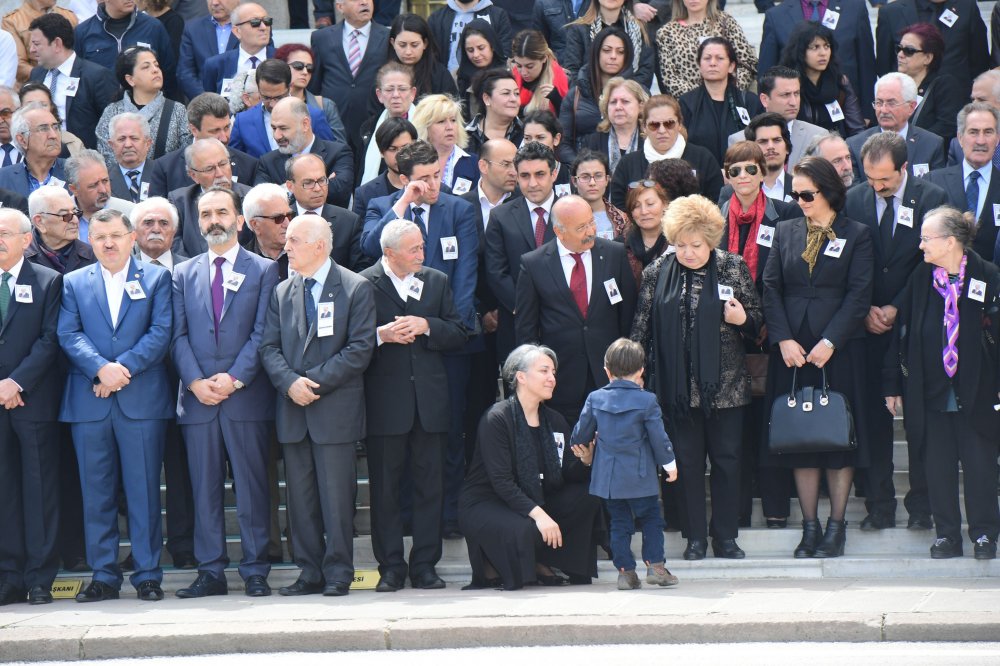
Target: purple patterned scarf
x=950 y=292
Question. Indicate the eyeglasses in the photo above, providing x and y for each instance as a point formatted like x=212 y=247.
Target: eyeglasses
x=276 y=98
x=636 y=184
x=97 y=240
x=6 y=113
x=735 y=171
x=924 y=239
x=806 y=195
x=212 y=167
x=66 y=217
x=299 y=66
x=277 y=219
x=309 y=183
x=591 y=177
x=503 y=164
x=908 y=51
x=655 y=125
x=887 y=104
x=255 y=22
x=45 y=129
x=395 y=90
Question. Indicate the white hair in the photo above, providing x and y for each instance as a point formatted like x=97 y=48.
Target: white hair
x=140 y=210
x=199 y=144
x=318 y=229
x=906 y=84
x=126 y=117
x=521 y=359
x=393 y=232
x=80 y=161
x=253 y=201
x=23 y=223
x=41 y=200
x=19 y=125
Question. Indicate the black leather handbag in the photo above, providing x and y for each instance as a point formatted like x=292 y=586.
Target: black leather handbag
x=811 y=419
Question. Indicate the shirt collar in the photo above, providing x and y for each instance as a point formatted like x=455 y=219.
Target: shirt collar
x=392 y=275
x=221 y=26
x=304 y=211
x=115 y=277
x=308 y=148
x=15 y=270
x=984 y=171
x=898 y=194
x=125 y=171
x=67 y=67
x=564 y=252
x=484 y=200
x=229 y=255
x=322 y=272
x=903 y=132
x=166 y=259
x=261 y=55
x=547 y=204
x=364 y=30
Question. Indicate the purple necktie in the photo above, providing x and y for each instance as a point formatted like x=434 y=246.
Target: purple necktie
x=950 y=291
x=218 y=294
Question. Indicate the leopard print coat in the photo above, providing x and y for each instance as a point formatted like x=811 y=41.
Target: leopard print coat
x=678 y=53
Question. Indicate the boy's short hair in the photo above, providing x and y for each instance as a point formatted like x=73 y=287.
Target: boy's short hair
x=624 y=358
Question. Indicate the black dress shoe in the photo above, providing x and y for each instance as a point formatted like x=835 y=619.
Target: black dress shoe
x=76 y=565
x=728 y=549
x=185 y=560
x=428 y=580
x=10 y=594
x=580 y=579
x=205 y=585
x=97 y=591
x=300 y=588
x=149 y=590
x=551 y=580
x=985 y=548
x=777 y=523
x=390 y=582
x=336 y=590
x=451 y=530
x=919 y=521
x=946 y=547
x=38 y=595
x=696 y=549
x=256 y=586
x=877 y=521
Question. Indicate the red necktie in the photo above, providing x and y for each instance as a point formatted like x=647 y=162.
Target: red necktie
x=578 y=283
x=539 y=226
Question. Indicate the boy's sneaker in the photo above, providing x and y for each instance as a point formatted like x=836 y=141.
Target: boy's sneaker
x=657 y=574
x=628 y=580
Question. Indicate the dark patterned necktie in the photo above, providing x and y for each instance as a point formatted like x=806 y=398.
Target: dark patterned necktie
x=4 y=295
x=133 y=187
x=310 y=303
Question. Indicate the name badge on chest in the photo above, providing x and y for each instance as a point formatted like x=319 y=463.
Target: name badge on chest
x=920 y=170
x=765 y=235
x=416 y=289
x=836 y=113
x=134 y=290
x=562 y=189
x=977 y=290
x=725 y=292
x=835 y=248
x=996 y=215
x=72 y=86
x=905 y=216
x=22 y=293
x=324 y=319
x=449 y=248
x=614 y=295
x=234 y=281
x=560 y=440
x=744 y=115
x=461 y=186
x=948 y=17
x=831 y=19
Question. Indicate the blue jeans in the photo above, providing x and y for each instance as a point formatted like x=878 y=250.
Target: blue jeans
x=624 y=514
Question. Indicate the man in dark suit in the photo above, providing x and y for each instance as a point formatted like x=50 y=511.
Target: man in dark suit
x=36 y=133
x=30 y=388
x=406 y=401
x=577 y=295
x=306 y=174
x=516 y=228
x=227 y=404
x=208 y=118
x=204 y=37
x=130 y=141
x=80 y=89
x=895 y=100
x=892 y=203
x=252 y=128
x=10 y=152
x=348 y=54
x=268 y=213
x=208 y=166
x=318 y=339
x=974 y=185
x=114 y=327
x=252 y=27
x=851 y=30
x=292 y=129
x=985 y=88
x=966 y=52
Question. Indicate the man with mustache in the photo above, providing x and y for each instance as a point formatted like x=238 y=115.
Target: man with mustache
x=88 y=181
x=832 y=147
x=38 y=137
x=130 y=140
x=580 y=315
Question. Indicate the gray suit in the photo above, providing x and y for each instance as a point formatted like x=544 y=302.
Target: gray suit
x=188 y=239
x=922 y=148
x=801 y=134
x=318 y=439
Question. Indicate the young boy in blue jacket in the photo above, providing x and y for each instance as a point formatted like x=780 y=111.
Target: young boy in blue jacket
x=631 y=442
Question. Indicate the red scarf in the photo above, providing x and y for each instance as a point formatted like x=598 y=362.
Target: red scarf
x=753 y=217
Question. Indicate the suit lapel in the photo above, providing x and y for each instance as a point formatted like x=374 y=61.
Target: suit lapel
x=872 y=222
x=75 y=71
x=97 y=284
x=203 y=283
x=329 y=293
x=598 y=274
x=986 y=216
x=433 y=247
x=384 y=283
x=338 y=46
x=554 y=263
x=25 y=277
x=241 y=265
x=527 y=230
x=135 y=272
x=903 y=234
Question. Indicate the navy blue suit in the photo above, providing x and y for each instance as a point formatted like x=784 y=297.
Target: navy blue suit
x=198 y=44
x=118 y=439
x=15 y=177
x=97 y=88
x=250 y=135
x=239 y=426
x=222 y=66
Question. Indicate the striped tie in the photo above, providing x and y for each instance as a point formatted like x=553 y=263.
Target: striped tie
x=354 y=52
x=133 y=186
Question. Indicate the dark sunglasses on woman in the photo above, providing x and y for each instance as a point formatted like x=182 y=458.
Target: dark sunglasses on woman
x=908 y=51
x=735 y=171
x=805 y=195
x=299 y=66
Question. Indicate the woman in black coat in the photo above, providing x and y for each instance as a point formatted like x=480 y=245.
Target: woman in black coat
x=410 y=43
x=526 y=506
x=942 y=96
x=580 y=36
x=817 y=292
x=665 y=138
x=717 y=108
x=950 y=389
x=619 y=133
x=478 y=50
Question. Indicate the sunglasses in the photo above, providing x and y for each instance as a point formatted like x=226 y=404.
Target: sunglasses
x=66 y=217
x=277 y=219
x=299 y=66
x=805 y=195
x=255 y=22
x=908 y=51
x=636 y=184
x=735 y=171
x=655 y=125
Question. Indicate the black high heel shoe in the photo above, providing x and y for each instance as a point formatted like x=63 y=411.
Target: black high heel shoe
x=812 y=532
x=834 y=540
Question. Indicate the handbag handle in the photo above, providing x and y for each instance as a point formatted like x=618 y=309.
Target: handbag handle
x=824 y=398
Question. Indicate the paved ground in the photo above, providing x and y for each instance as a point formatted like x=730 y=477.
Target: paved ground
x=707 y=611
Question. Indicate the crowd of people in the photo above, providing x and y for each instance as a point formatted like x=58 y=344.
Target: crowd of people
x=539 y=262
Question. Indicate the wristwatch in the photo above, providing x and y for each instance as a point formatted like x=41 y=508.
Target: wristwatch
x=237 y=384
x=829 y=344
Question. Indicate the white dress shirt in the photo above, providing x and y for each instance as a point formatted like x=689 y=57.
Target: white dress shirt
x=14 y=272
x=305 y=211
x=568 y=263
x=984 y=182
x=547 y=205
x=166 y=259
x=243 y=59
x=114 y=287
x=320 y=276
x=363 y=34
x=402 y=286
x=425 y=216
x=484 y=203
x=778 y=191
x=59 y=94
x=227 y=265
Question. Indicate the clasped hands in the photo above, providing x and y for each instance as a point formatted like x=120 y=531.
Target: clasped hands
x=112 y=377
x=793 y=354
x=403 y=330
x=213 y=390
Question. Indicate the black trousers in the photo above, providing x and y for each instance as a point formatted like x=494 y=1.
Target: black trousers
x=179 y=499
x=772 y=484
x=29 y=502
x=720 y=436
x=386 y=469
x=950 y=440
x=72 y=544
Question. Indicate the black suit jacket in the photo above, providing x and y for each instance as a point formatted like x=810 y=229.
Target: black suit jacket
x=700 y=120
x=486 y=300
x=951 y=181
x=188 y=239
x=11 y=199
x=169 y=172
x=337 y=158
x=922 y=147
x=347 y=227
x=378 y=186
x=547 y=314
x=633 y=167
x=407 y=382
x=119 y=186
x=29 y=347
x=97 y=88
x=835 y=298
x=893 y=265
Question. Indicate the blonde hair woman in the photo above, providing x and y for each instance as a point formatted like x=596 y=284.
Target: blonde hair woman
x=618 y=133
x=438 y=119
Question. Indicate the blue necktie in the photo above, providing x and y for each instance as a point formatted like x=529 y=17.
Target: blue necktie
x=418 y=219
x=996 y=158
x=310 y=303
x=972 y=192
x=7 y=150
x=815 y=15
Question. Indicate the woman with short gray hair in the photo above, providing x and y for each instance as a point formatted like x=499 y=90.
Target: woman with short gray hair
x=526 y=508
